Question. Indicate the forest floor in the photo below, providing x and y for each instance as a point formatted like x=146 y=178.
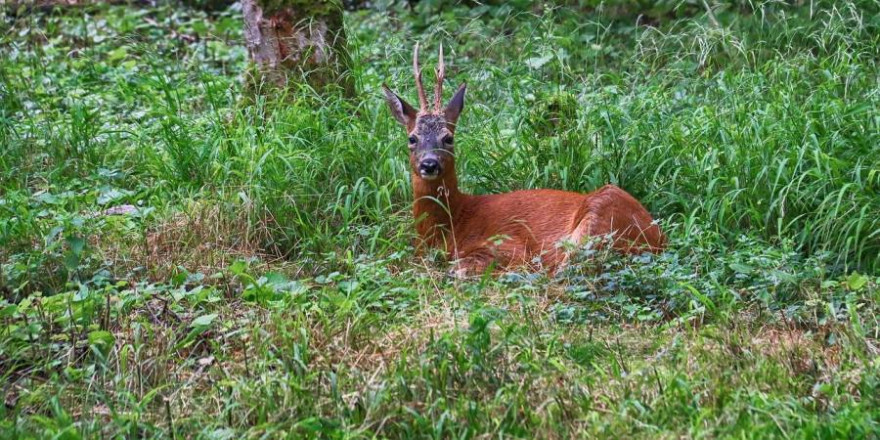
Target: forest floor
x=176 y=261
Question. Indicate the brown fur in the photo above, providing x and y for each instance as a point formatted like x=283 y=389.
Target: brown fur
x=512 y=229
x=520 y=228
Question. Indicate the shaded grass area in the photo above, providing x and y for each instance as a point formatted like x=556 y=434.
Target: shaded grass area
x=176 y=260
x=354 y=356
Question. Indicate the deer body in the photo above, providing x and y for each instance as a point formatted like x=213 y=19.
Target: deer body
x=526 y=228
x=520 y=228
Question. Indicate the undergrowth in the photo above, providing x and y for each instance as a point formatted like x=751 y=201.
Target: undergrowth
x=178 y=261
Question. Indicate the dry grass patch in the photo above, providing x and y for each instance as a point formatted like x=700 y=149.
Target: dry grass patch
x=201 y=238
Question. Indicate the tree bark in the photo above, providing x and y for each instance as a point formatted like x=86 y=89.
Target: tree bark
x=296 y=41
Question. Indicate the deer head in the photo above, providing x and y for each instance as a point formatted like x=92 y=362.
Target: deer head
x=431 y=131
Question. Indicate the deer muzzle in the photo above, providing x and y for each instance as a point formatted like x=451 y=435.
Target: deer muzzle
x=430 y=167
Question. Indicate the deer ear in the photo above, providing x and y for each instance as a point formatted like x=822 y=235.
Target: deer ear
x=403 y=112
x=456 y=104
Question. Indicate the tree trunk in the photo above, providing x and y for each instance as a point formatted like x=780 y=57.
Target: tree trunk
x=296 y=41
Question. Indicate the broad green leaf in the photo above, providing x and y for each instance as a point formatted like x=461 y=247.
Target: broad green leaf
x=203 y=321
x=102 y=341
x=856 y=281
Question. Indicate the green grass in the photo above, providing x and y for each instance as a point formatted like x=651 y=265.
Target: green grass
x=265 y=285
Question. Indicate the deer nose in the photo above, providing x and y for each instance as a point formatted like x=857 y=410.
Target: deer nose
x=429 y=167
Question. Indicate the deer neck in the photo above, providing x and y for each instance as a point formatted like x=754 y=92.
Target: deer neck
x=436 y=205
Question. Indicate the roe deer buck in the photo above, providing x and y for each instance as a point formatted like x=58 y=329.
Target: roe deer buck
x=510 y=229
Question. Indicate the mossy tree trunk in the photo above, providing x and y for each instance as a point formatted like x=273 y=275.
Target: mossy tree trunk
x=294 y=41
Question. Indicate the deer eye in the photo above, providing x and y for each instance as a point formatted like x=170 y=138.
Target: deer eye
x=447 y=140
x=412 y=139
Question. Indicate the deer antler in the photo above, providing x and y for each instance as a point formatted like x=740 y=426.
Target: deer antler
x=438 y=89
x=423 y=99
